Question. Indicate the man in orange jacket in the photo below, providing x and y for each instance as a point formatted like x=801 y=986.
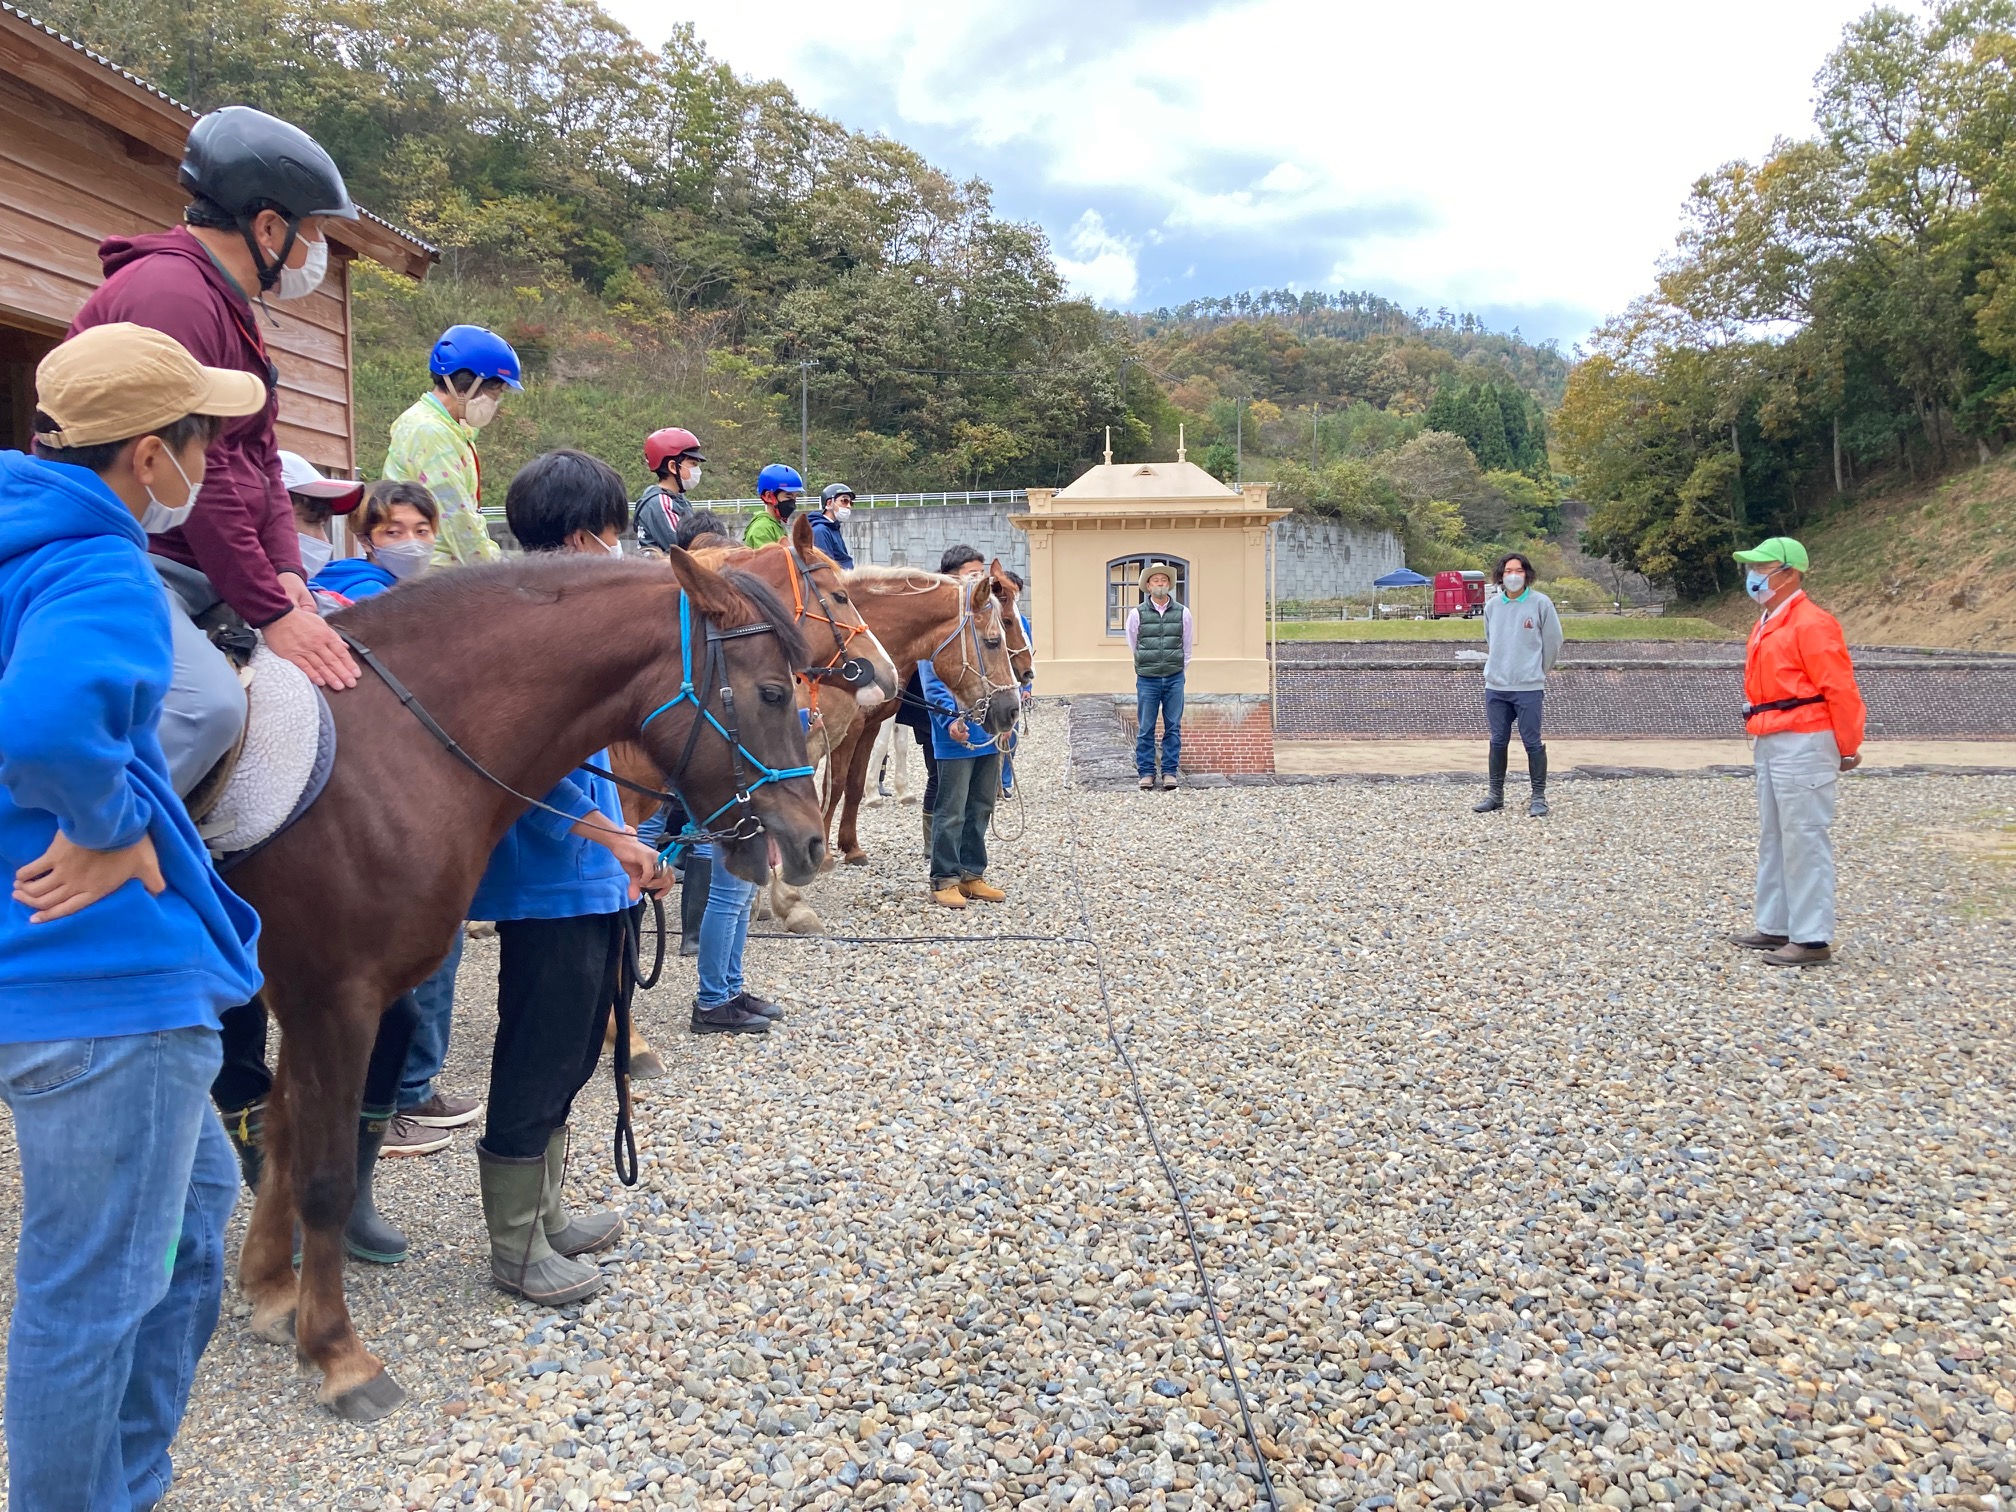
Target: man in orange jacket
x=1804 y=714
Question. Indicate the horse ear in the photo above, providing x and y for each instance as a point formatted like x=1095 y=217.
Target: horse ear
x=711 y=593
x=983 y=590
x=801 y=533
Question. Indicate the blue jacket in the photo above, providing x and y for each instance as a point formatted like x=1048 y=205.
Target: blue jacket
x=542 y=871
x=354 y=578
x=944 y=709
x=85 y=658
x=829 y=538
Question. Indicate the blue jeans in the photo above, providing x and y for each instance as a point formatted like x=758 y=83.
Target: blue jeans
x=429 y=1051
x=968 y=789
x=127 y=1181
x=724 y=933
x=1502 y=710
x=1163 y=695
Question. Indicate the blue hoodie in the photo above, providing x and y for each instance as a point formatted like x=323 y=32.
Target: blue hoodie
x=85 y=660
x=542 y=871
x=354 y=578
x=944 y=710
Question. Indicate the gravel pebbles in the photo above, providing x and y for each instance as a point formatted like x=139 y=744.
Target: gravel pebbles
x=1519 y=1185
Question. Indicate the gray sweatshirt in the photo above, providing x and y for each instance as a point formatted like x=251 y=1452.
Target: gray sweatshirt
x=1522 y=639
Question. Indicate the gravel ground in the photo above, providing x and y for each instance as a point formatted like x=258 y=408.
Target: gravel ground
x=1518 y=1183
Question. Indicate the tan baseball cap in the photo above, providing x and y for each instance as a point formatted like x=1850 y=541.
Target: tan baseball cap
x=115 y=382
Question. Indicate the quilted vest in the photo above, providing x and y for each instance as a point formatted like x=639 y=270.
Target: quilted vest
x=1159 y=650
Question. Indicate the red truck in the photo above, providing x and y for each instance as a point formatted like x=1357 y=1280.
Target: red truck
x=1459 y=593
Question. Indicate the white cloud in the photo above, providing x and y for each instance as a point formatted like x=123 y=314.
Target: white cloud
x=1510 y=155
x=1100 y=266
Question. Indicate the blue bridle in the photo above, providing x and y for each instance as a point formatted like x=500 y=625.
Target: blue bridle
x=746 y=824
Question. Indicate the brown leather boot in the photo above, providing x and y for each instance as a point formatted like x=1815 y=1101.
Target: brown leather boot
x=982 y=891
x=1758 y=940
x=948 y=896
x=1798 y=955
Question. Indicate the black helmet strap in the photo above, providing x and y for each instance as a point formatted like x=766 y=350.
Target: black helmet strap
x=269 y=273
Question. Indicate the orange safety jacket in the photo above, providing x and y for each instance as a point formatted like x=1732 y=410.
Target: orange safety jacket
x=1800 y=652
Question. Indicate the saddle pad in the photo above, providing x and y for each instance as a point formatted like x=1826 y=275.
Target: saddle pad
x=287 y=727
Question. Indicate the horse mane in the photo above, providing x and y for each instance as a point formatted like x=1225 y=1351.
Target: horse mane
x=768 y=606
x=485 y=586
x=878 y=574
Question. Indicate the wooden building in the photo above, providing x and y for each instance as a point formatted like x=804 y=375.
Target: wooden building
x=88 y=150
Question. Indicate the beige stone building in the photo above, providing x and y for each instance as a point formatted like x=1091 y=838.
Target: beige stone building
x=1087 y=545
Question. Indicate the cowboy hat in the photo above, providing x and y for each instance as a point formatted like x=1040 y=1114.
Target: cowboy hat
x=1150 y=570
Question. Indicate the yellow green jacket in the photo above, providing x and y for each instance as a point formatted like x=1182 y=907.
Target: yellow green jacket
x=433 y=448
x=762 y=530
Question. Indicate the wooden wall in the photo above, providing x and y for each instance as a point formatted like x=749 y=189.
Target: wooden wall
x=67 y=181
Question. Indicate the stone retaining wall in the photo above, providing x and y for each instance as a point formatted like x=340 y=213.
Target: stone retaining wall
x=1222 y=732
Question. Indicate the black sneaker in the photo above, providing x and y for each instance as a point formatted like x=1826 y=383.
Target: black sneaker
x=728 y=1018
x=762 y=1007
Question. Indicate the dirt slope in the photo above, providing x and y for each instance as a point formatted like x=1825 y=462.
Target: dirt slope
x=1928 y=566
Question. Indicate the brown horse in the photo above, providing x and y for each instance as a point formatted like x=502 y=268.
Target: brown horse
x=968 y=648
x=533 y=667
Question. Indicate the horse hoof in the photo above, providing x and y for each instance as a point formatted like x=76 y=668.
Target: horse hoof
x=373 y=1399
x=827 y=863
x=278 y=1329
x=646 y=1066
x=802 y=921
x=855 y=858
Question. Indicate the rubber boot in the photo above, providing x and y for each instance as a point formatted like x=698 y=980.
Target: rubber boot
x=521 y=1261
x=567 y=1233
x=1495 y=799
x=247 y=1128
x=367 y=1235
x=693 y=889
x=1536 y=766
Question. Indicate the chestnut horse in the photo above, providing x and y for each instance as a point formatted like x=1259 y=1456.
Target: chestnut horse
x=532 y=667
x=907 y=610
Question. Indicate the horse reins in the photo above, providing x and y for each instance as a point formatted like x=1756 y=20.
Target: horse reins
x=747 y=824
x=967 y=632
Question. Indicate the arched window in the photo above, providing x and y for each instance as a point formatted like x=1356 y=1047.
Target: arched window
x=1123 y=591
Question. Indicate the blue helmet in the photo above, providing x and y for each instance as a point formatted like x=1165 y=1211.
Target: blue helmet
x=473 y=349
x=779 y=478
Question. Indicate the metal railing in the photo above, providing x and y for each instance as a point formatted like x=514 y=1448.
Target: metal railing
x=1011 y=499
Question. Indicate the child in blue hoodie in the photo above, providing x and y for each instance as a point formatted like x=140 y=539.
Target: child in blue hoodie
x=560 y=886
x=119 y=945
x=396 y=523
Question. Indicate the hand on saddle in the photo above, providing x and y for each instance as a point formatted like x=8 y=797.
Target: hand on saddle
x=303 y=639
x=66 y=877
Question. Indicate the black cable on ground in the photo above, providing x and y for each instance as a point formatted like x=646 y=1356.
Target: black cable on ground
x=930 y=939
x=1119 y=1044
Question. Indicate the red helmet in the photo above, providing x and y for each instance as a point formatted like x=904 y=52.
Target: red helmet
x=661 y=446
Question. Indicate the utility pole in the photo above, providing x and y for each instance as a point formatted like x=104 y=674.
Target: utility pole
x=1315 y=421
x=1239 y=442
x=805 y=367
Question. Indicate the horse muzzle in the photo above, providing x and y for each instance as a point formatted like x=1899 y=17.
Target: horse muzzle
x=1002 y=711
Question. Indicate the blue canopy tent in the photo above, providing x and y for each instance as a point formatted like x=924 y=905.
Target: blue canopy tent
x=1405 y=577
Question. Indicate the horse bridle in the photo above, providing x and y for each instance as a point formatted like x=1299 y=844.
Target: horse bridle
x=967 y=632
x=747 y=824
x=849 y=670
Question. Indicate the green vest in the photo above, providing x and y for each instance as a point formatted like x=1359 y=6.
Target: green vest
x=1158 y=651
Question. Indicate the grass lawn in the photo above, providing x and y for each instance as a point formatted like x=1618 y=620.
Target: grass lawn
x=1590 y=627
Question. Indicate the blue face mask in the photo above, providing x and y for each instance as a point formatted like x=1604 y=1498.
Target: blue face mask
x=1757 y=585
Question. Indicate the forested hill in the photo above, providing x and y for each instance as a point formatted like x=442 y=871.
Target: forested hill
x=665 y=242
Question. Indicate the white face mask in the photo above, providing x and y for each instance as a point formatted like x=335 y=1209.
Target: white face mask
x=316 y=554
x=690 y=474
x=157 y=517
x=843 y=513
x=299 y=283
x=404 y=559
x=1515 y=583
x=614 y=549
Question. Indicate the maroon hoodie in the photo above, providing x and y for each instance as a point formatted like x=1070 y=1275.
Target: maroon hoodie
x=242 y=535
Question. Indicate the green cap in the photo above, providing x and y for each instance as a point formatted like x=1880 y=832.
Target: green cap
x=1780 y=549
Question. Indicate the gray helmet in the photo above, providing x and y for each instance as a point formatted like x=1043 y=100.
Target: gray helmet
x=833 y=491
x=243 y=161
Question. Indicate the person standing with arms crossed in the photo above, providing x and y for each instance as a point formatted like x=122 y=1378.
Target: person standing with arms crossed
x=1522 y=641
x=1805 y=715
x=1161 y=633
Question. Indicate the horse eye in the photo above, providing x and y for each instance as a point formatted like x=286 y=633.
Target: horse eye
x=774 y=694
x=839 y=597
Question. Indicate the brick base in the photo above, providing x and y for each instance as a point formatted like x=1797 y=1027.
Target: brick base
x=1222 y=732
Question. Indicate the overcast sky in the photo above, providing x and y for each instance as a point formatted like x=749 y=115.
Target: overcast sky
x=1523 y=162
